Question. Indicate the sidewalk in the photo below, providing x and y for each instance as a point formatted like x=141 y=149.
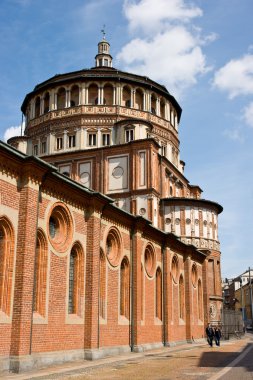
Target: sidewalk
x=79 y=367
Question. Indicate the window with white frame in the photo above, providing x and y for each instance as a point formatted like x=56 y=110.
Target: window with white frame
x=129 y=135
x=163 y=150
x=59 y=143
x=43 y=147
x=106 y=139
x=72 y=141
x=35 y=150
x=92 y=139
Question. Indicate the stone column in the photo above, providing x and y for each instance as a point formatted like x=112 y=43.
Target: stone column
x=132 y=98
x=65 y=137
x=158 y=107
x=102 y=95
x=114 y=96
x=99 y=95
x=67 y=98
x=41 y=106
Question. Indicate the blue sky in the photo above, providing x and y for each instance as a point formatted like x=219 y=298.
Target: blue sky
x=202 y=50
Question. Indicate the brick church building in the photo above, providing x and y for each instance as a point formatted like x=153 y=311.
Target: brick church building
x=105 y=246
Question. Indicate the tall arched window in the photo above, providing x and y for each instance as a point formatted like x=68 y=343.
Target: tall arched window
x=40 y=277
x=108 y=94
x=61 y=98
x=6 y=265
x=138 y=99
x=153 y=104
x=200 y=300
x=74 y=96
x=124 y=288
x=37 y=107
x=162 y=108
x=76 y=281
x=102 y=286
x=158 y=293
x=181 y=298
x=211 y=277
x=93 y=94
x=126 y=97
x=46 y=102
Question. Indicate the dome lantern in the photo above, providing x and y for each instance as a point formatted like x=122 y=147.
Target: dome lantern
x=103 y=58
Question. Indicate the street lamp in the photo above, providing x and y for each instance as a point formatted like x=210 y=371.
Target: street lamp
x=250 y=294
x=242 y=301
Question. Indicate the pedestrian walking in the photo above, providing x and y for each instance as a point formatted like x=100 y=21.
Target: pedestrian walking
x=217 y=336
x=210 y=335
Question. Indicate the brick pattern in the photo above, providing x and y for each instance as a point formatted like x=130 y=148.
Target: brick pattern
x=144 y=321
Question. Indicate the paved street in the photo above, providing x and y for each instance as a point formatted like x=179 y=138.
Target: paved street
x=233 y=360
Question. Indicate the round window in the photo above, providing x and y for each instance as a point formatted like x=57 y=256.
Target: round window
x=60 y=227
x=118 y=172
x=113 y=248
x=174 y=268
x=84 y=177
x=149 y=261
x=194 y=275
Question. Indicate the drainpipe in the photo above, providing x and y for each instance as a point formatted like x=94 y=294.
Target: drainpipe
x=131 y=291
x=164 y=294
x=251 y=303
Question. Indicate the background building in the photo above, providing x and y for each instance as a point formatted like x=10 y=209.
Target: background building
x=105 y=245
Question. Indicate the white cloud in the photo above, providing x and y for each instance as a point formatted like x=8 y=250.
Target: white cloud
x=11 y=132
x=248 y=114
x=150 y=16
x=236 y=77
x=234 y=134
x=170 y=49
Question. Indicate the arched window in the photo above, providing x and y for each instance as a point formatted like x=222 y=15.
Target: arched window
x=40 y=277
x=108 y=95
x=46 y=102
x=124 y=288
x=153 y=104
x=76 y=281
x=126 y=97
x=181 y=298
x=102 y=286
x=6 y=265
x=37 y=107
x=138 y=99
x=200 y=301
x=61 y=98
x=74 y=96
x=211 y=277
x=162 y=108
x=159 y=293
x=93 y=94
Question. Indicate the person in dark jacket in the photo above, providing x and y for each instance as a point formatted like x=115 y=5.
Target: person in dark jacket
x=210 y=335
x=217 y=335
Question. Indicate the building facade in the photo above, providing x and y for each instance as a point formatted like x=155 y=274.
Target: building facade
x=105 y=245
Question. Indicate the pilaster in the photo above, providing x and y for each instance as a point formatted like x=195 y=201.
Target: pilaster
x=92 y=279
x=24 y=275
